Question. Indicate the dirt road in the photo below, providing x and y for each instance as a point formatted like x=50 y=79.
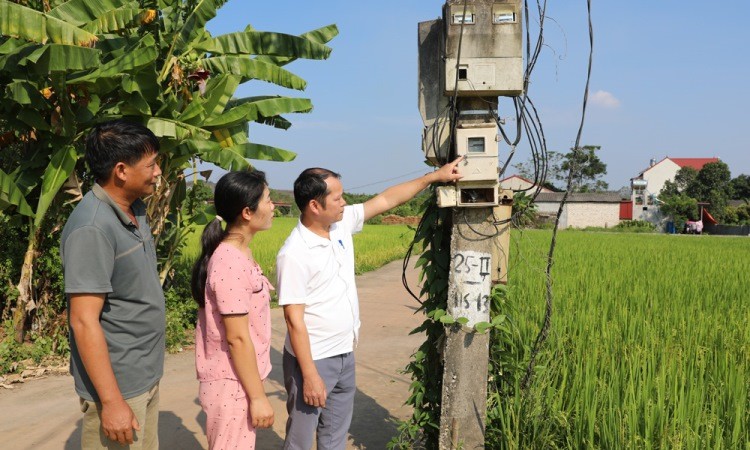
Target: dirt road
x=44 y=414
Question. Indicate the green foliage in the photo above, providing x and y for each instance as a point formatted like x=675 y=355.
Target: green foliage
x=197 y=198
x=411 y=208
x=530 y=168
x=740 y=187
x=182 y=310
x=712 y=184
x=507 y=351
x=79 y=63
x=12 y=353
x=285 y=197
x=739 y=215
x=524 y=210
x=685 y=177
x=422 y=429
x=587 y=169
x=679 y=207
x=636 y=226
x=49 y=323
x=12 y=249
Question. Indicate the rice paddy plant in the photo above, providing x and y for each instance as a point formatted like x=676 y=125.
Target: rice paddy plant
x=649 y=347
x=374 y=246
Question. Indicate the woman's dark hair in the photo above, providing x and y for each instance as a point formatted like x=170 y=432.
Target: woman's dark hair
x=311 y=185
x=116 y=141
x=234 y=192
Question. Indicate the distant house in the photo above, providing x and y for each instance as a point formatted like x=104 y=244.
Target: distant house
x=592 y=209
x=520 y=184
x=647 y=185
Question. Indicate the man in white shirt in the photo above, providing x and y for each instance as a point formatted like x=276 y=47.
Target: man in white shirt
x=316 y=287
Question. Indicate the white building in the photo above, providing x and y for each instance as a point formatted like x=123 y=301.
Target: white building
x=581 y=210
x=647 y=185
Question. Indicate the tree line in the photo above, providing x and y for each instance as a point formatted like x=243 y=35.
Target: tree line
x=67 y=65
x=713 y=186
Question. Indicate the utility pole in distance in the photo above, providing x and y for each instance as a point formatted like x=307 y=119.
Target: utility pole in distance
x=466 y=60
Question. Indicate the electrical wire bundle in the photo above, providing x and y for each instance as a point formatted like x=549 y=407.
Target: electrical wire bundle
x=527 y=122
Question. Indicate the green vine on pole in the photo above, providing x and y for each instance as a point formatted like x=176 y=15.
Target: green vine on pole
x=422 y=429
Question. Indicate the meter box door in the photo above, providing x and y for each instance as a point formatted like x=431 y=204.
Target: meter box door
x=478 y=145
x=483 y=48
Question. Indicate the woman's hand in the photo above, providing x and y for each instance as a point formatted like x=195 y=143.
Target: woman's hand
x=261 y=412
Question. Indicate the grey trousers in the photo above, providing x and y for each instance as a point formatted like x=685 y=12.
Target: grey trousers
x=332 y=422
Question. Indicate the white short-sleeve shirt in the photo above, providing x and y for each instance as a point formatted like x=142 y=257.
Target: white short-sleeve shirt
x=319 y=273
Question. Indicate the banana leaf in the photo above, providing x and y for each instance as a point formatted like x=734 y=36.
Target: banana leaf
x=22 y=22
x=175 y=129
x=138 y=58
x=236 y=157
x=321 y=36
x=229 y=137
x=24 y=93
x=61 y=165
x=10 y=195
x=264 y=43
x=119 y=19
x=219 y=91
x=195 y=22
x=255 y=109
x=62 y=58
x=253 y=69
x=79 y=12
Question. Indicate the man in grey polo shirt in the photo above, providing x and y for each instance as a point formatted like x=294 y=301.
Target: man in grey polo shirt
x=315 y=270
x=115 y=300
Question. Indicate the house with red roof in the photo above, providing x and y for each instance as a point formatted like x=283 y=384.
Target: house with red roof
x=518 y=183
x=647 y=185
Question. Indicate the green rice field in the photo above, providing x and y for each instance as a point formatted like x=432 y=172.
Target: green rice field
x=649 y=345
x=375 y=245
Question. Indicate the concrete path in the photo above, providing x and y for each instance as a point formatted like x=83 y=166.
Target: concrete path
x=44 y=414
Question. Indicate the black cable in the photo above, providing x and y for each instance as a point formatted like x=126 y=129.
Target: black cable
x=483 y=237
x=544 y=332
x=525 y=121
x=410 y=250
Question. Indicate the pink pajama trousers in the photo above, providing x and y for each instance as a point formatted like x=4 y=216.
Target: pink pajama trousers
x=228 y=424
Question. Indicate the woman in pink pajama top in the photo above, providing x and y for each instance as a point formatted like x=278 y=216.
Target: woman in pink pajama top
x=233 y=335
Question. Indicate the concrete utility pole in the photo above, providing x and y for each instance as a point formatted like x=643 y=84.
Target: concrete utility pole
x=466 y=60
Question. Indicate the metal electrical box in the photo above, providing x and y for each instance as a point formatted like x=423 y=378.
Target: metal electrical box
x=483 y=48
x=477 y=143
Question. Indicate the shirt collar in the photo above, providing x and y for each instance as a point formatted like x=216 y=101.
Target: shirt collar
x=138 y=206
x=310 y=238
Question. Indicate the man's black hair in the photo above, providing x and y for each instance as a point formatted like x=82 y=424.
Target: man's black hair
x=117 y=141
x=311 y=185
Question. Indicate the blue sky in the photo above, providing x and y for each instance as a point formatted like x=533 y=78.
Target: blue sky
x=670 y=78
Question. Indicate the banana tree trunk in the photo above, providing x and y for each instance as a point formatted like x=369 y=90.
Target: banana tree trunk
x=25 y=302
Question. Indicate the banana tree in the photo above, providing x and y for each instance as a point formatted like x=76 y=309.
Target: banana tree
x=68 y=65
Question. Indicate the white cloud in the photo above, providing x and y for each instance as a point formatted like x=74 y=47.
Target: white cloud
x=604 y=99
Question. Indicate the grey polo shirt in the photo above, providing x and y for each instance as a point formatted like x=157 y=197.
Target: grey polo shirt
x=104 y=252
